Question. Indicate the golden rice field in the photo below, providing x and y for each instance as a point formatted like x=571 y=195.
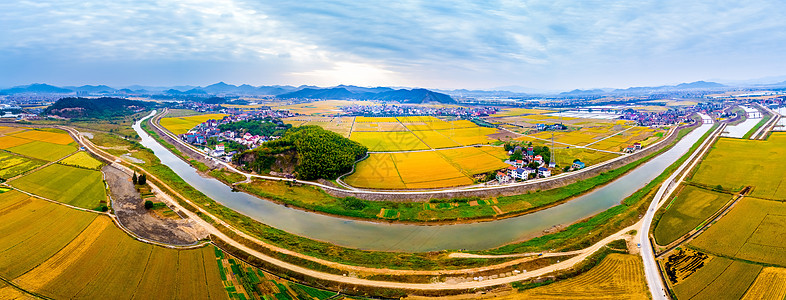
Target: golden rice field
x=769 y=285
x=43 y=150
x=62 y=253
x=45 y=144
x=340 y=125
x=389 y=141
x=61 y=137
x=721 y=278
x=618 y=276
x=753 y=230
x=735 y=163
x=12 y=165
x=83 y=160
x=427 y=169
x=180 y=125
x=321 y=108
x=4 y=130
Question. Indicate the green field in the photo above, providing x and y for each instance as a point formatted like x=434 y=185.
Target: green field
x=43 y=150
x=75 y=186
x=735 y=163
x=83 y=160
x=687 y=211
x=12 y=165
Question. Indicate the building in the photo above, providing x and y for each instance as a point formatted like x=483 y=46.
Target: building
x=578 y=165
x=552 y=164
x=502 y=177
x=220 y=147
x=544 y=172
x=637 y=146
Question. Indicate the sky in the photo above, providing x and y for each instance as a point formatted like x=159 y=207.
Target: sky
x=540 y=45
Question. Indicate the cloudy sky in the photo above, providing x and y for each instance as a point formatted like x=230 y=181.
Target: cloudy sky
x=550 y=44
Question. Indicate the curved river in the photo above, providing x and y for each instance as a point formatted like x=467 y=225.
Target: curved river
x=419 y=238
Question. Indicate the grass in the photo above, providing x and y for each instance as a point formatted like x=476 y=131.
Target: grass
x=83 y=160
x=618 y=276
x=180 y=125
x=79 y=187
x=690 y=208
x=735 y=163
x=43 y=150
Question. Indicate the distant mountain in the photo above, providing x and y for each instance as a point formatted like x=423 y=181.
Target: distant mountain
x=386 y=94
x=94 y=89
x=358 y=89
x=699 y=85
x=101 y=108
x=36 y=88
x=583 y=92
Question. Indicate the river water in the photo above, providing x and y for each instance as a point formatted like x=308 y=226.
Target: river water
x=419 y=238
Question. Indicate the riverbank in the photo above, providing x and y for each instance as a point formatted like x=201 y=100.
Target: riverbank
x=446 y=211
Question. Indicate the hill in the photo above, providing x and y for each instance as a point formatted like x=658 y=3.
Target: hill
x=36 y=88
x=309 y=151
x=101 y=108
x=381 y=94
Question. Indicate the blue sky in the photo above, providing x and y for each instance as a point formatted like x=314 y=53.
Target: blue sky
x=549 y=45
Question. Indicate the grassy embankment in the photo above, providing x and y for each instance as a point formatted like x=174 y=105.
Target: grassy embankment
x=761 y=123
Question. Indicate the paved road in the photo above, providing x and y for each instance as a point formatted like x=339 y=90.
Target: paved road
x=651 y=270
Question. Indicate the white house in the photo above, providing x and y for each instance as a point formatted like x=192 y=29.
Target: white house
x=544 y=172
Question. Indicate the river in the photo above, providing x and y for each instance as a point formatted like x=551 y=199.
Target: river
x=419 y=238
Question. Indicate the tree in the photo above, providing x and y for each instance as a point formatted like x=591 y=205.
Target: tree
x=516 y=155
x=148 y=203
x=134 y=178
x=533 y=165
x=142 y=179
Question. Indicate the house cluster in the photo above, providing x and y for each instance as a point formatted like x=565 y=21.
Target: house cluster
x=413 y=110
x=209 y=129
x=198 y=106
x=519 y=169
x=553 y=127
x=632 y=148
x=669 y=117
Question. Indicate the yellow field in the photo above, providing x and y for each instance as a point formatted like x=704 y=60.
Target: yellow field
x=378 y=171
x=180 y=125
x=770 y=284
x=328 y=107
x=417 y=119
x=10 y=130
x=435 y=139
x=82 y=159
x=388 y=141
x=618 y=276
x=45 y=136
x=362 y=119
x=340 y=125
x=470 y=136
x=427 y=169
x=10 y=141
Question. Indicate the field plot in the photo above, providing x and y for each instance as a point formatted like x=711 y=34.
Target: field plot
x=104 y=262
x=11 y=130
x=321 y=108
x=730 y=283
x=428 y=169
x=32 y=230
x=565 y=156
x=340 y=125
x=75 y=186
x=12 y=165
x=180 y=125
x=389 y=141
x=83 y=160
x=771 y=284
x=435 y=139
x=470 y=136
x=735 y=163
x=378 y=171
x=361 y=119
x=43 y=150
x=60 y=137
x=521 y=111
x=11 y=141
x=754 y=230
x=618 y=276
x=688 y=210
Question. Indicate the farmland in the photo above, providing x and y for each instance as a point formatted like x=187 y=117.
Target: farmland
x=12 y=165
x=63 y=253
x=180 y=125
x=428 y=169
x=320 y=108
x=75 y=186
x=389 y=141
x=735 y=163
x=753 y=230
x=83 y=160
x=687 y=211
x=770 y=284
x=719 y=279
x=618 y=276
x=43 y=144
